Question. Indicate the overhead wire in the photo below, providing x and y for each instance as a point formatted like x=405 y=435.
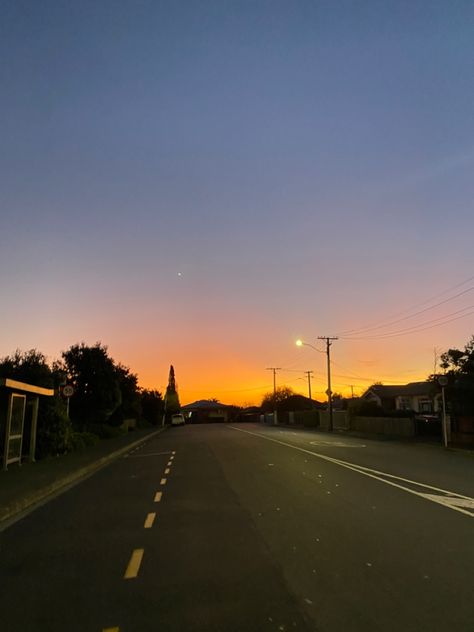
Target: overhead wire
x=392 y=322
x=416 y=328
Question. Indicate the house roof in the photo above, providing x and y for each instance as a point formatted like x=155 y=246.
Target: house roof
x=205 y=404
x=403 y=390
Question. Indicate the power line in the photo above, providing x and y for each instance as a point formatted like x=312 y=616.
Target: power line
x=393 y=322
x=415 y=328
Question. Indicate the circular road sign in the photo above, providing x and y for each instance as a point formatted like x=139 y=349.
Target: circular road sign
x=68 y=390
x=443 y=380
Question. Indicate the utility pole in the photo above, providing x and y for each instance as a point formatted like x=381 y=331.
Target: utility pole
x=309 y=374
x=329 y=340
x=352 y=390
x=274 y=369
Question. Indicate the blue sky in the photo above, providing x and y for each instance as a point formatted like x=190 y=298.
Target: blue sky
x=304 y=166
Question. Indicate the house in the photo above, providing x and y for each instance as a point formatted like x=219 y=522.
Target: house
x=207 y=411
x=419 y=397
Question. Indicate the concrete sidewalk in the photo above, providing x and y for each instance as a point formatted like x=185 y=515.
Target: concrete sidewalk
x=26 y=486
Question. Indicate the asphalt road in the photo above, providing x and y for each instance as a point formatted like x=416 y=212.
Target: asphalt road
x=247 y=528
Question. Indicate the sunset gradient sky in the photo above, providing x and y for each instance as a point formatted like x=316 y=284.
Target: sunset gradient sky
x=201 y=183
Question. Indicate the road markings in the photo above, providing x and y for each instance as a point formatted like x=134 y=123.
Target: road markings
x=158 y=496
x=169 y=464
x=167 y=471
x=134 y=564
x=451 y=500
x=163 y=481
x=337 y=444
x=150 y=519
x=140 y=456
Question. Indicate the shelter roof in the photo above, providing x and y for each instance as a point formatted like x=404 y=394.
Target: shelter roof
x=23 y=386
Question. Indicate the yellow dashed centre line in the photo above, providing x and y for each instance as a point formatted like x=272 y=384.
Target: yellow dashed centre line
x=167 y=471
x=150 y=519
x=158 y=496
x=163 y=481
x=134 y=564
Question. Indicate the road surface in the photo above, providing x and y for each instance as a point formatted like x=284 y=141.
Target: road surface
x=248 y=528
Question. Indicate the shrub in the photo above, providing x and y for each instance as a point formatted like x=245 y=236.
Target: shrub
x=104 y=431
x=54 y=434
x=81 y=440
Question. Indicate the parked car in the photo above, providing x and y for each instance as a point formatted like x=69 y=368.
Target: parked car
x=428 y=424
x=177 y=420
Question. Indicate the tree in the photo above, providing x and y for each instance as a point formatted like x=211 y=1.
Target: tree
x=276 y=401
x=152 y=406
x=457 y=362
x=28 y=366
x=96 y=383
x=130 y=403
x=172 y=404
x=459 y=368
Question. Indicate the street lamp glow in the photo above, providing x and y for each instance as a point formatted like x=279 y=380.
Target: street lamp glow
x=299 y=343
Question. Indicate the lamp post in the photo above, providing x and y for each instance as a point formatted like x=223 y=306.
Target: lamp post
x=443 y=381
x=328 y=340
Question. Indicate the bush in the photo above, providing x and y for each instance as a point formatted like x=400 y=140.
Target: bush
x=143 y=423
x=104 y=431
x=81 y=440
x=54 y=434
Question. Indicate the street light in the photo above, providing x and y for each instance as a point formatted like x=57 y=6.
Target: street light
x=443 y=381
x=328 y=339
x=301 y=343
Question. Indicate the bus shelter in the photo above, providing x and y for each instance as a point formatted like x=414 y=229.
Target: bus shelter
x=19 y=403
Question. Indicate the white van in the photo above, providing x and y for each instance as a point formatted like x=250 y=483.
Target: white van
x=177 y=420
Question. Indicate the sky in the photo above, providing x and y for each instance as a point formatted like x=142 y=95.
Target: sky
x=202 y=183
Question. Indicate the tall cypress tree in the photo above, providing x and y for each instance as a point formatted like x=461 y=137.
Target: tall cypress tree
x=172 y=405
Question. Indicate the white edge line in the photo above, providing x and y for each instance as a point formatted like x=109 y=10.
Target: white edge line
x=372 y=474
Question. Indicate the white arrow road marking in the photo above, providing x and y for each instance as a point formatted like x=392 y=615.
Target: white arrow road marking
x=337 y=444
x=444 y=497
x=451 y=501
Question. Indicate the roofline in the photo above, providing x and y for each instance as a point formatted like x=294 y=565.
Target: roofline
x=23 y=386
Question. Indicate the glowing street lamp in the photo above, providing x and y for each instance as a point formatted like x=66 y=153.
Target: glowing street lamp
x=328 y=339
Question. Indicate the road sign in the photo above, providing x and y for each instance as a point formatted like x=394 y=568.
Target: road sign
x=443 y=380
x=68 y=391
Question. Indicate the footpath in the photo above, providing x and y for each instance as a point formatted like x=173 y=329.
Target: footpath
x=23 y=487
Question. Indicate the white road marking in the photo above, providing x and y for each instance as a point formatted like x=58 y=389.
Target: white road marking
x=134 y=564
x=163 y=481
x=150 y=519
x=447 y=498
x=167 y=471
x=158 y=496
x=451 y=501
x=140 y=456
x=337 y=444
